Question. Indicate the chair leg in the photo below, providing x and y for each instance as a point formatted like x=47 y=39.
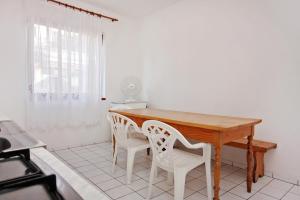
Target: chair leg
x=208 y=179
x=179 y=184
x=207 y=155
x=130 y=162
x=151 y=179
x=170 y=178
x=156 y=172
x=115 y=158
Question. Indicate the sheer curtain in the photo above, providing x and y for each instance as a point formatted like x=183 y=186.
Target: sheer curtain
x=66 y=68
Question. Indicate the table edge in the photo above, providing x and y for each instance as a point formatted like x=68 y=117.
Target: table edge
x=209 y=127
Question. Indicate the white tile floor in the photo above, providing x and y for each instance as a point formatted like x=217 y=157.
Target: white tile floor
x=94 y=163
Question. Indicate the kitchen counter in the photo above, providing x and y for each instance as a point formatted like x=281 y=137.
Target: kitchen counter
x=18 y=138
x=86 y=190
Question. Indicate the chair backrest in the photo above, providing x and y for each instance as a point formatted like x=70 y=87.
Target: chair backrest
x=162 y=138
x=121 y=126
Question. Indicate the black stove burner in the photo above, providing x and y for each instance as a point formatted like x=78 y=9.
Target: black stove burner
x=4 y=144
x=17 y=166
x=20 y=178
x=39 y=188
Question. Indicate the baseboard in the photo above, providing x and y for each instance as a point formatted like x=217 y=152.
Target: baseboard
x=271 y=174
x=74 y=146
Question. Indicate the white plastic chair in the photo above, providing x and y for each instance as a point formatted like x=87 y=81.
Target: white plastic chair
x=126 y=107
x=162 y=138
x=121 y=126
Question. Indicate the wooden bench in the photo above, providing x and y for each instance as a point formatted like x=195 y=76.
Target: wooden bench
x=259 y=150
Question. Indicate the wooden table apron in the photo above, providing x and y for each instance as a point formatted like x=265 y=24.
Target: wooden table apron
x=217 y=138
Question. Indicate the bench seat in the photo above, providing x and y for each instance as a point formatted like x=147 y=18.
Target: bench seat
x=259 y=149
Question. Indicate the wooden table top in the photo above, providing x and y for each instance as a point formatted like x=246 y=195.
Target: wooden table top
x=205 y=121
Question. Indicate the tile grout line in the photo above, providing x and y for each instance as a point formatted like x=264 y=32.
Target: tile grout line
x=287 y=192
x=140 y=177
x=239 y=185
x=93 y=164
x=143 y=178
x=84 y=145
x=266 y=186
x=80 y=174
x=84 y=166
x=273 y=179
x=236 y=195
x=113 y=178
x=106 y=159
x=257 y=190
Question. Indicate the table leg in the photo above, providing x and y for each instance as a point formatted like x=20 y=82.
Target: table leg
x=250 y=162
x=217 y=172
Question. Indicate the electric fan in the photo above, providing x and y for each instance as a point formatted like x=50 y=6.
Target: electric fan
x=131 y=88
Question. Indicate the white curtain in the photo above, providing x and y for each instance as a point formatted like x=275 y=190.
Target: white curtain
x=66 y=68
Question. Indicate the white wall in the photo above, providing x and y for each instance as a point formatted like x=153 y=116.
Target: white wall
x=12 y=61
x=234 y=58
x=122 y=61
x=231 y=57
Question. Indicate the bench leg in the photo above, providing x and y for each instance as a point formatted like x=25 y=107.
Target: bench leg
x=259 y=167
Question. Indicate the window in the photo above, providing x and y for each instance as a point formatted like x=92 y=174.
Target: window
x=65 y=70
x=67 y=63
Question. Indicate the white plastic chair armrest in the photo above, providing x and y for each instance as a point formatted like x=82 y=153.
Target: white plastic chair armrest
x=187 y=144
x=197 y=146
x=137 y=129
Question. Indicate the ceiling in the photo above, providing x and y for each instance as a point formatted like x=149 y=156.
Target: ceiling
x=132 y=8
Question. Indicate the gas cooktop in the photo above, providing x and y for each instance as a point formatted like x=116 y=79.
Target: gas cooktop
x=22 y=179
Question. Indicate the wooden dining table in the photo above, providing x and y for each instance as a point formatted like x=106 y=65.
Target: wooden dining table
x=214 y=129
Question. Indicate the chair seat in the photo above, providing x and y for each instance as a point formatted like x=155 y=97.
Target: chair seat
x=137 y=143
x=183 y=159
x=186 y=159
x=135 y=134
